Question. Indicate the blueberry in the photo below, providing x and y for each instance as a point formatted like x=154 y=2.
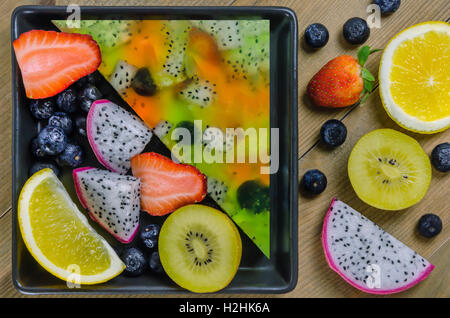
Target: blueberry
x=356 y=31
x=254 y=196
x=316 y=35
x=333 y=133
x=388 y=6
x=88 y=95
x=440 y=157
x=150 y=231
x=134 y=261
x=67 y=100
x=314 y=181
x=85 y=105
x=52 y=140
x=90 y=92
x=80 y=125
x=35 y=149
x=72 y=156
x=142 y=82
x=42 y=108
x=39 y=165
x=149 y=235
x=90 y=79
x=430 y=225
x=150 y=243
x=62 y=120
x=155 y=263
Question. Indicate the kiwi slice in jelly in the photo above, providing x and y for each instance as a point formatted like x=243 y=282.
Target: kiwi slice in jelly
x=389 y=170
x=200 y=248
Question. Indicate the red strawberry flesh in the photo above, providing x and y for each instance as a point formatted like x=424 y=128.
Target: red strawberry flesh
x=51 y=61
x=166 y=185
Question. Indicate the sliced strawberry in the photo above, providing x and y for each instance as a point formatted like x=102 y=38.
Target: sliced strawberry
x=166 y=185
x=51 y=61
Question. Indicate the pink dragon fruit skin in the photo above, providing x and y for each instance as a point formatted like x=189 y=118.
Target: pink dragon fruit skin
x=77 y=185
x=125 y=144
x=331 y=241
x=130 y=182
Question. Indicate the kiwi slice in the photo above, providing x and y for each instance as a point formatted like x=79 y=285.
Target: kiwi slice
x=389 y=170
x=200 y=248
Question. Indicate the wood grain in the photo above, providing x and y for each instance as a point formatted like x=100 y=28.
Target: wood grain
x=315 y=278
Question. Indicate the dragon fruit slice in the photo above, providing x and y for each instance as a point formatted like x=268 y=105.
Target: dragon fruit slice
x=115 y=135
x=113 y=200
x=175 y=44
x=366 y=256
x=162 y=128
x=121 y=78
x=199 y=92
x=217 y=189
x=227 y=33
x=252 y=59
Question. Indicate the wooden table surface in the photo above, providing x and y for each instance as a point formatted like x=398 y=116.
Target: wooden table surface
x=315 y=278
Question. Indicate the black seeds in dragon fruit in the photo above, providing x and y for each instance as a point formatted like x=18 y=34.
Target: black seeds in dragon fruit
x=115 y=135
x=113 y=200
x=175 y=43
x=227 y=33
x=199 y=92
x=122 y=76
x=217 y=189
x=162 y=128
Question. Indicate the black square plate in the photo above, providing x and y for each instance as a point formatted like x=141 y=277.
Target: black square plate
x=256 y=273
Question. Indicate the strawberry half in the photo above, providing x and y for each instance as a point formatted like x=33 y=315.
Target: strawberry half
x=51 y=61
x=343 y=81
x=166 y=185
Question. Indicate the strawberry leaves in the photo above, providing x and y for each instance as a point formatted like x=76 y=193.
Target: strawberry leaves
x=343 y=81
x=367 y=76
x=364 y=53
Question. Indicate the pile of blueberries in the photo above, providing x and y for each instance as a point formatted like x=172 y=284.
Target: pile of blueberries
x=144 y=256
x=64 y=119
x=355 y=30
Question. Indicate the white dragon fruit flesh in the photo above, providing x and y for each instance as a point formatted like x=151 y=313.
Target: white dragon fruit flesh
x=162 y=128
x=122 y=76
x=217 y=189
x=227 y=33
x=115 y=135
x=113 y=200
x=366 y=256
x=199 y=92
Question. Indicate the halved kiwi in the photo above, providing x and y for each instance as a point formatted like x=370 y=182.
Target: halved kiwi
x=389 y=170
x=200 y=248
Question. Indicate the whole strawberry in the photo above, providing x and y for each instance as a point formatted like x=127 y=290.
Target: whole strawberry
x=343 y=81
